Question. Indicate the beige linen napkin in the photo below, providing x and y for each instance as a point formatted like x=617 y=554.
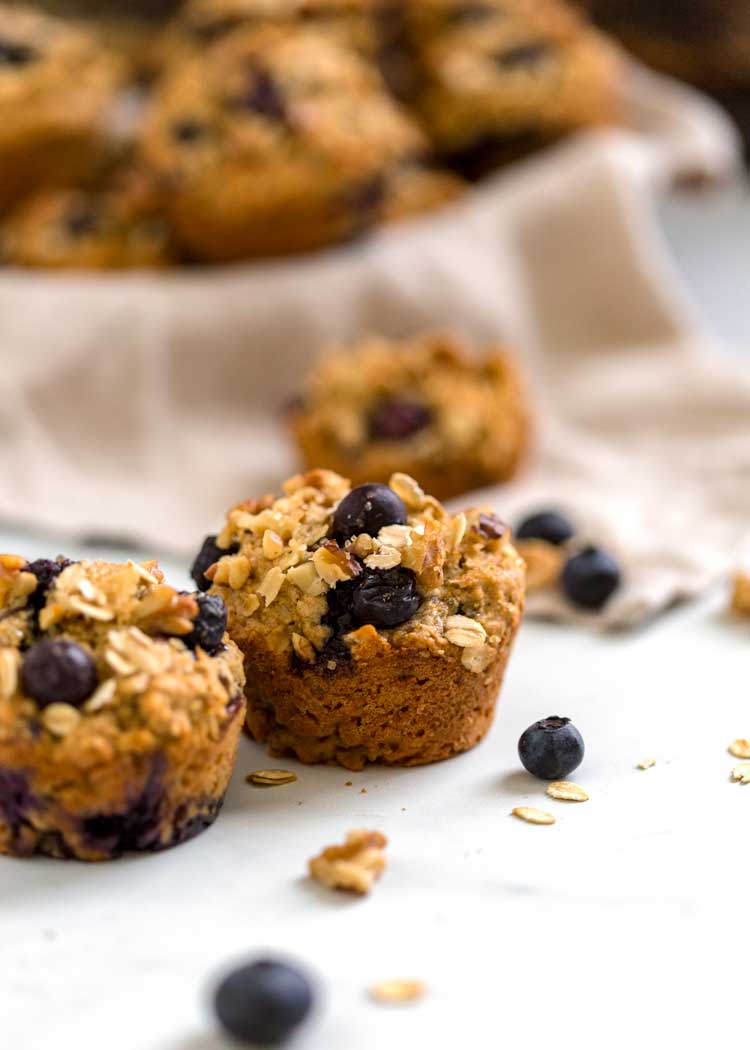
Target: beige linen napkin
x=141 y=406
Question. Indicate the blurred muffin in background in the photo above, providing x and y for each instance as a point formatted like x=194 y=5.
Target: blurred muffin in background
x=425 y=406
x=117 y=225
x=417 y=189
x=274 y=141
x=496 y=72
x=57 y=85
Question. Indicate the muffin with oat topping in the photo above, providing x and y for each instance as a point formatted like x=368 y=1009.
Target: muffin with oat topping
x=375 y=626
x=57 y=82
x=453 y=421
x=121 y=705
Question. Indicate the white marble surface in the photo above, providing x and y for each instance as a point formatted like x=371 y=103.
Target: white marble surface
x=624 y=924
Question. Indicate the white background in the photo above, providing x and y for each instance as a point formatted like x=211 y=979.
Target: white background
x=625 y=924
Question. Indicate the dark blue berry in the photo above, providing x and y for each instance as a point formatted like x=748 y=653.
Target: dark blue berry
x=188 y=130
x=81 y=220
x=589 y=579
x=13 y=53
x=57 y=670
x=396 y=420
x=523 y=55
x=263 y=97
x=209 y=625
x=207 y=556
x=46 y=573
x=367 y=509
x=262 y=1003
x=547 y=525
x=551 y=749
x=385 y=598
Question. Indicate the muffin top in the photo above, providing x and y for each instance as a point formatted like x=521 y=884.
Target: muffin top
x=100 y=659
x=327 y=573
x=428 y=393
x=117 y=225
x=53 y=74
x=208 y=19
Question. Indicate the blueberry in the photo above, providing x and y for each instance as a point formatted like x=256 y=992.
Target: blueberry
x=263 y=97
x=13 y=53
x=366 y=510
x=523 y=55
x=207 y=556
x=209 y=625
x=395 y=419
x=590 y=578
x=385 y=598
x=547 y=525
x=46 y=573
x=188 y=130
x=551 y=749
x=262 y=1003
x=82 y=220
x=58 y=671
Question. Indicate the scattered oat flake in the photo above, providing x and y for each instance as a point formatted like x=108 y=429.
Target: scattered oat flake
x=271 y=777
x=741 y=773
x=740 y=748
x=398 y=990
x=646 y=763
x=568 y=792
x=532 y=815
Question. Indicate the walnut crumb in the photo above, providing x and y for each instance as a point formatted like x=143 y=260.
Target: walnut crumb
x=741 y=773
x=354 y=866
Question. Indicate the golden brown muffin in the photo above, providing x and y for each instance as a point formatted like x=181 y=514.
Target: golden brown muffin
x=57 y=83
x=375 y=626
x=454 y=421
x=274 y=142
x=120 y=709
x=119 y=225
x=497 y=70
x=417 y=189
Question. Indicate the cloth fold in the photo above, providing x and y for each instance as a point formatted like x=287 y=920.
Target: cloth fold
x=141 y=406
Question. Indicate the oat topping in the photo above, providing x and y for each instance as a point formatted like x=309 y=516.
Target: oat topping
x=355 y=866
x=532 y=815
x=647 y=763
x=567 y=792
x=740 y=748
x=742 y=773
x=271 y=777
x=398 y=990
x=293 y=571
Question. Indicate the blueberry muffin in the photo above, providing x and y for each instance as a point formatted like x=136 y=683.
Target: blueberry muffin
x=454 y=421
x=274 y=142
x=121 y=706
x=417 y=189
x=57 y=83
x=117 y=226
x=375 y=626
x=704 y=41
x=492 y=73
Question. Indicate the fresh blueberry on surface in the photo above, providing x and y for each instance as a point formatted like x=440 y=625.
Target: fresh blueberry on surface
x=547 y=525
x=366 y=509
x=209 y=625
x=590 y=578
x=395 y=419
x=551 y=749
x=262 y=1003
x=207 y=556
x=385 y=598
x=58 y=671
x=46 y=572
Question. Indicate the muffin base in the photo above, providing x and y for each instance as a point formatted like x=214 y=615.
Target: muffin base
x=137 y=802
x=395 y=706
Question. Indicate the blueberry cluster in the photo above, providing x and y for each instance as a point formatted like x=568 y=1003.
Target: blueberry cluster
x=590 y=576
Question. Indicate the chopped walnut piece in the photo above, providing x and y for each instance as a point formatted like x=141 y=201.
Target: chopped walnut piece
x=741 y=773
x=544 y=563
x=355 y=866
x=333 y=564
x=15 y=584
x=165 y=611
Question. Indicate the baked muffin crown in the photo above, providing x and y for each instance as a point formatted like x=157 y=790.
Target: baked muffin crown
x=300 y=585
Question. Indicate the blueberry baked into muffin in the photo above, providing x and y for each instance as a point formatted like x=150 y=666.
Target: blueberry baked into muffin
x=274 y=141
x=57 y=82
x=454 y=421
x=114 y=226
x=121 y=706
x=375 y=626
x=492 y=74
